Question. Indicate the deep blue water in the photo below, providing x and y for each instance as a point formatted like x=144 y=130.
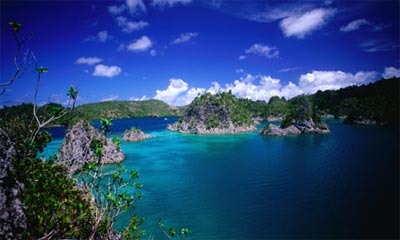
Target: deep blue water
x=342 y=185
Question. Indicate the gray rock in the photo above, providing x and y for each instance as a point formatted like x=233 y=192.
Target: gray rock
x=135 y=135
x=274 y=130
x=76 y=149
x=13 y=221
x=298 y=127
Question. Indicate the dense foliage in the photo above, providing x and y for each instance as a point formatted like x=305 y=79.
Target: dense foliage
x=378 y=101
x=300 y=109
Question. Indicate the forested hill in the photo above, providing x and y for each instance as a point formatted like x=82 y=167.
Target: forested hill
x=127 y=109
x=376 y=102
x=91 y=111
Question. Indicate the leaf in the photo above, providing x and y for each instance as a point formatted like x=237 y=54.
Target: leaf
x=42 y=70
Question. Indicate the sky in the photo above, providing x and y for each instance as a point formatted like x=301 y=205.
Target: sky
x=174 y=50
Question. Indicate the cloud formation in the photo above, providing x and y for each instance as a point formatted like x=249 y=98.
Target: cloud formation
x=262 y=50
x=109 y=98
x=377 y=46
x=185 y=37
x=169 y=3
x=106 y=71
x=354 y=25
x=263 y=87
x=391 y=72
x=140 y=44
x=103 y=36
x=130 y=26
x=116 y=10
x=135 y=6
x=301 y=25
x=88 y=60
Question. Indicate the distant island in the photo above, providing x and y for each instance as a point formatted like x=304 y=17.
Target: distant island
x=300 y=118
x=221 y=113
x=376 y=103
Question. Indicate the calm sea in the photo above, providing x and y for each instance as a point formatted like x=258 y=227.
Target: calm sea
x=342 y=185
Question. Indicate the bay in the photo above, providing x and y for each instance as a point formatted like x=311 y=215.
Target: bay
x=247 y=186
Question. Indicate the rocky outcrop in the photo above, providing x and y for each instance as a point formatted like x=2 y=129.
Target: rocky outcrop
x=79 y=148
x=215 y=114
x=298 y=127
x=135 y=135
x=13 y=221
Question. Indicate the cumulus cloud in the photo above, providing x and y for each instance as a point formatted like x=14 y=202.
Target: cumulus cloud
x=169 y=3
x=140 y=44
x=263 y=50
x=116 y=10
x=135 y=6
x=175 y=88
x=109 y=98
x=88 y=60
x=301 y=25
x=106 y=71
x=130 y=26
x=391 y=72
x=354 y=25
x=263 y=87
x=185 y=37
x=324 y=80
x=103 y=36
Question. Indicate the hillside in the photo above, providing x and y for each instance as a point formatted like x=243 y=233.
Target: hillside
x=221 y=113
x=127 y=109
x=375 y=103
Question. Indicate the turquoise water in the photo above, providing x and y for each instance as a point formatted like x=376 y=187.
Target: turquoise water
x=252 y=187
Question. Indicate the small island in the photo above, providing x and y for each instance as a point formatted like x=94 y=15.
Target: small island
x=221 y=113
x=135 y=135
x=301 y=118
x=81 y=145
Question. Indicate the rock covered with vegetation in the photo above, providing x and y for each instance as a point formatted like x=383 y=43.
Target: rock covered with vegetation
x=135 y=135
x=301 y=118
x=221 y=113
x=85 y=144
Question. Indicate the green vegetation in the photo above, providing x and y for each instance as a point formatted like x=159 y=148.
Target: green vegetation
x=378 y=101
x=299 y=109
x=126 y=109
x=277 y=107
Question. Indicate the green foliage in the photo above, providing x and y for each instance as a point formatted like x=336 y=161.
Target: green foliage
x=53 y=201
x=378 y=101
x=42 y=70
x=300 y=108
x=105 y=125
x=116 y=141
x=72 y=93
x=171 y=232
x=277 y=106
x=16 y=26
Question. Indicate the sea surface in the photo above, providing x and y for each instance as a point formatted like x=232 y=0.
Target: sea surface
x=247 y=186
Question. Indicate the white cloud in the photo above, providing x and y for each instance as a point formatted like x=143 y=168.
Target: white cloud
x=116 y=10
x=377 y=46
x=175 y=88
x=135 y=6
x=242 y=57
x=324 y=80
x=130 y=26
x=391 y=72
x=354 y=25
x=140 y=44
x=103 y=36
x=185 y=37
x=263 y=50
x=169 y=3
x=153 y=52
x=138 y=99
x=301 y=25
x=106 y=71
x=263 y=87
x=109 y=98
x=88 y=60
x=289 y=69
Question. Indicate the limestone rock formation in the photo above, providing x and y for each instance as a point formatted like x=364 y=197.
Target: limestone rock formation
x=135 y=135
x=79 y=148
x=215 y=114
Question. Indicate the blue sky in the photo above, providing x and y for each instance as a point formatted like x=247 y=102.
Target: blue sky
x=173 y=50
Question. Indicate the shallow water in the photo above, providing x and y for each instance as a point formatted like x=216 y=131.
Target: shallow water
x=248 y=186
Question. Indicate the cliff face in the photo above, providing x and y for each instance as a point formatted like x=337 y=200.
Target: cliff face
x=12 y=217
x=77 y=148
x=215 y=114
x=306 y=126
